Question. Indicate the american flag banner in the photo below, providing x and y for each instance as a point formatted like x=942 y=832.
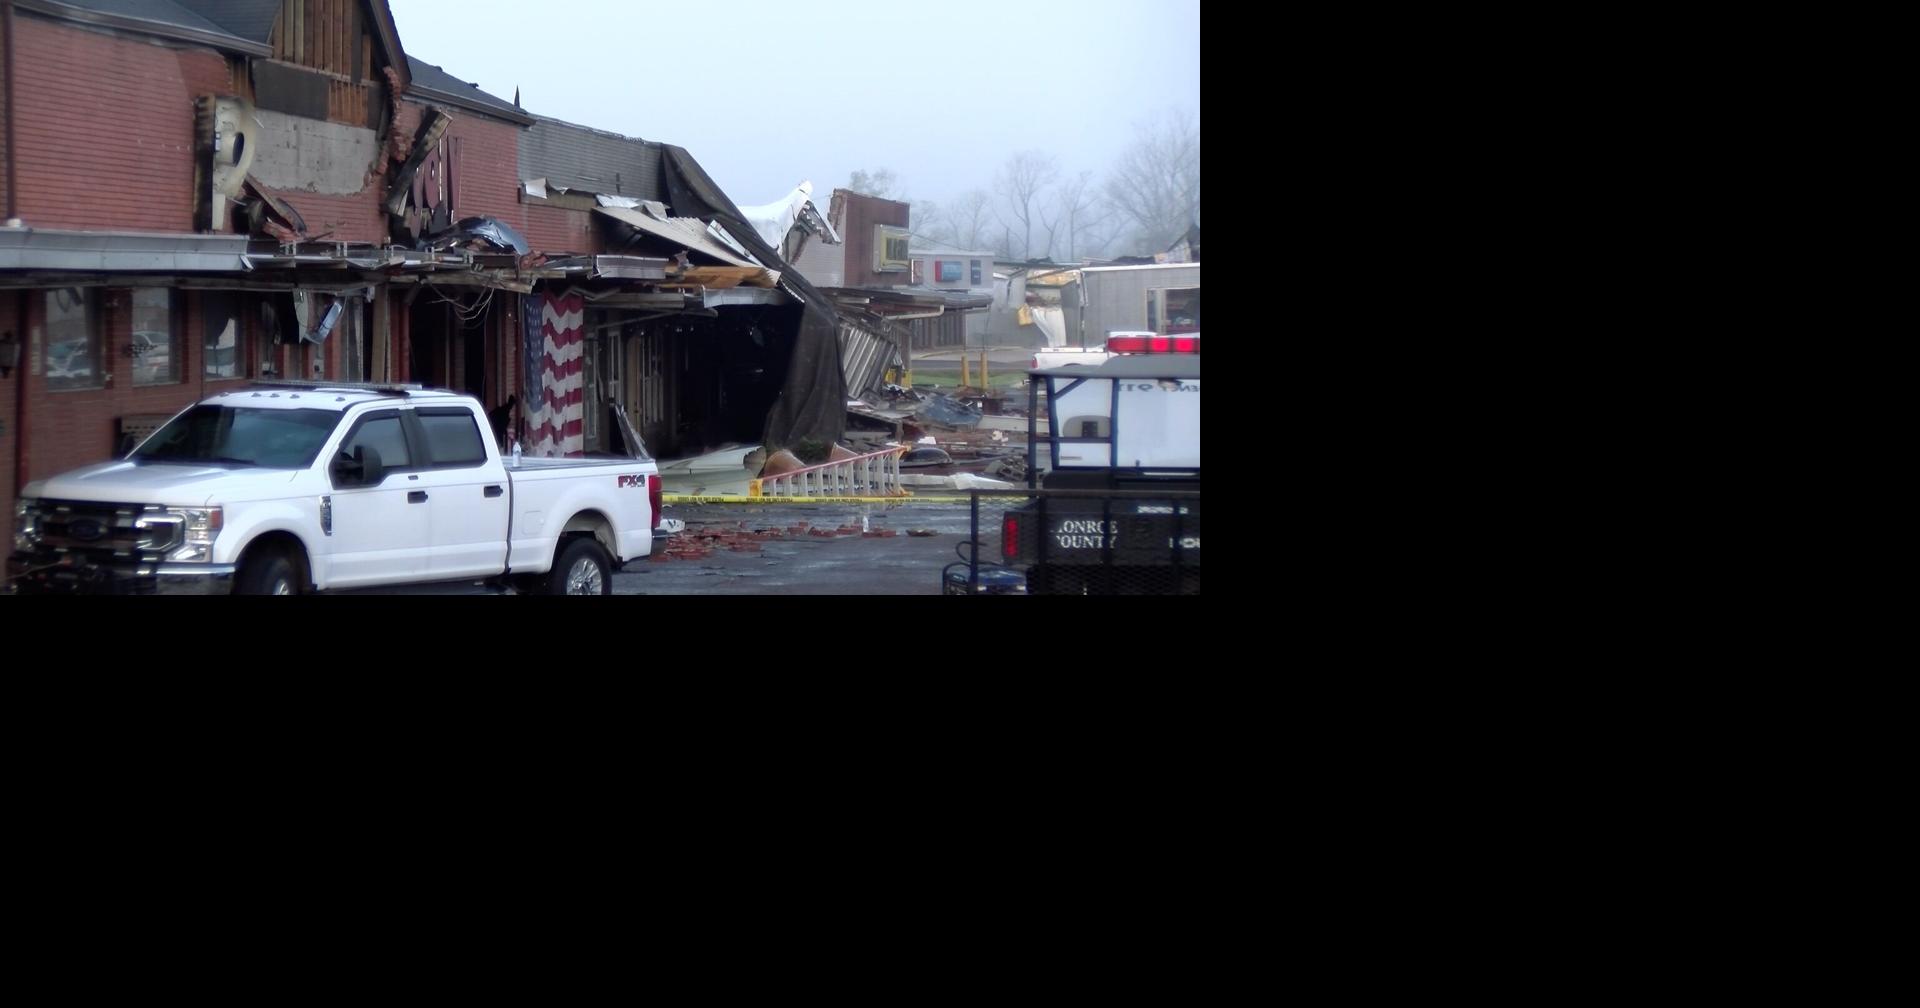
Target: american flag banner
x=553 y=407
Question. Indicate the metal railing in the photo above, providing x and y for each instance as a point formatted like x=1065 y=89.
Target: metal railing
x=875 y=474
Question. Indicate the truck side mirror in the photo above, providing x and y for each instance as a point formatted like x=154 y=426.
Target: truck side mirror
x=362 y=468
x=371 y=471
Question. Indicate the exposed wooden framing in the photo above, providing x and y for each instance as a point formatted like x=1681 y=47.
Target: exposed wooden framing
x=720 y=277
x=329 y=35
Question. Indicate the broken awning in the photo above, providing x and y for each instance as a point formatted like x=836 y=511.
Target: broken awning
x=688 y=232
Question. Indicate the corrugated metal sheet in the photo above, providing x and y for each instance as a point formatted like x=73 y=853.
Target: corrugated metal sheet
x=689 y=232
x=864 y=356
x=594 y=160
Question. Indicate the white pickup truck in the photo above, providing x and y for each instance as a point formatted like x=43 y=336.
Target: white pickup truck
x=288 y=488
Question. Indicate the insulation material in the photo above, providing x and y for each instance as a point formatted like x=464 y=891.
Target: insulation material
x=555 y=342
x=1052 y=323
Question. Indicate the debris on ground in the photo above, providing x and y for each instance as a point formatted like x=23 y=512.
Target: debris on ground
x=947 y=411
x=700 y=542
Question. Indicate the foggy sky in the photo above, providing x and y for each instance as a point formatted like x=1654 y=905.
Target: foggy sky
x=765 y=94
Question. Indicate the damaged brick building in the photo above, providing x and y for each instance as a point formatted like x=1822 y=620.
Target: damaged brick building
x=203 y=193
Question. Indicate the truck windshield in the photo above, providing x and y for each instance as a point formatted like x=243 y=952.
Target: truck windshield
x=271 y=438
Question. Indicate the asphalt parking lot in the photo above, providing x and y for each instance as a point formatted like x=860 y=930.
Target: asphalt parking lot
x=801 y=549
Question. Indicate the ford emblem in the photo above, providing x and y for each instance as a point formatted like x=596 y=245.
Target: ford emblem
x=85 y=529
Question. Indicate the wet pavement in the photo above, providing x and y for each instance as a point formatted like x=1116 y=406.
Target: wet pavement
x=828 y=556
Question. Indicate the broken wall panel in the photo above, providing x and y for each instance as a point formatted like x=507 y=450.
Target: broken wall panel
x=294 y=90
x=303 y=154
x=357 y=217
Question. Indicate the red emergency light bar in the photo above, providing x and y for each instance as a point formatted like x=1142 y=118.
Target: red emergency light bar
x=1153 y=344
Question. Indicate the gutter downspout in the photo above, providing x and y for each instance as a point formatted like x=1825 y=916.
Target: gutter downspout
x=19 y=297
x=13 y=179
x=19 y=431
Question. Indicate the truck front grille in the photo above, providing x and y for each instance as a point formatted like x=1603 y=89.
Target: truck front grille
x=107 y=533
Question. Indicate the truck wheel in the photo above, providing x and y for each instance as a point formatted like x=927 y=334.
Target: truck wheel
x=268 y=574
x=581 y=569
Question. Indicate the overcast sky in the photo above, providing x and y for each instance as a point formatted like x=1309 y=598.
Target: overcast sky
x=766 y=93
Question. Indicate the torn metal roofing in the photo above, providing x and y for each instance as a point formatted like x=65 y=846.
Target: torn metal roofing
x=591 y=160
x=434 y=84
x=688 y=232
x=773 y=221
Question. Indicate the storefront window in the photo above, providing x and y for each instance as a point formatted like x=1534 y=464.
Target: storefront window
x=156 y=358
x=222 y=335
x=1175 y=310
x=73 y=339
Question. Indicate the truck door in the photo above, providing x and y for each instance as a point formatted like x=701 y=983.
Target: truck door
x=467 y=494
x=379 y=533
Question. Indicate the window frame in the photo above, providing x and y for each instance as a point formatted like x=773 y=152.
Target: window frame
x=174 y=354
x=95 y=325
x=1157 y=319
x=232 y=301
x=419 y=432
x=406 y=434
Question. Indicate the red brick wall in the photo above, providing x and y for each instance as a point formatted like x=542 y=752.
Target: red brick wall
x=488 y=183
x=355 y=218
x=106 y=127
x=557 y=229
x=863 y=213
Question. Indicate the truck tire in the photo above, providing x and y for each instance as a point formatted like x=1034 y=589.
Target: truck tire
x=269 y=573
x=581 y=568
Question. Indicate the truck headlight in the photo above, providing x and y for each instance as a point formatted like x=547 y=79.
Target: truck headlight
x=26 y=523
x=199 y=527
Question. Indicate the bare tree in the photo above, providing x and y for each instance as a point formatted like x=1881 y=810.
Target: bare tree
x=1154 y=186
x=1076 y=218
x=969 y=217
x=880 y=182
x=1020 y=184
x=926 y=218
